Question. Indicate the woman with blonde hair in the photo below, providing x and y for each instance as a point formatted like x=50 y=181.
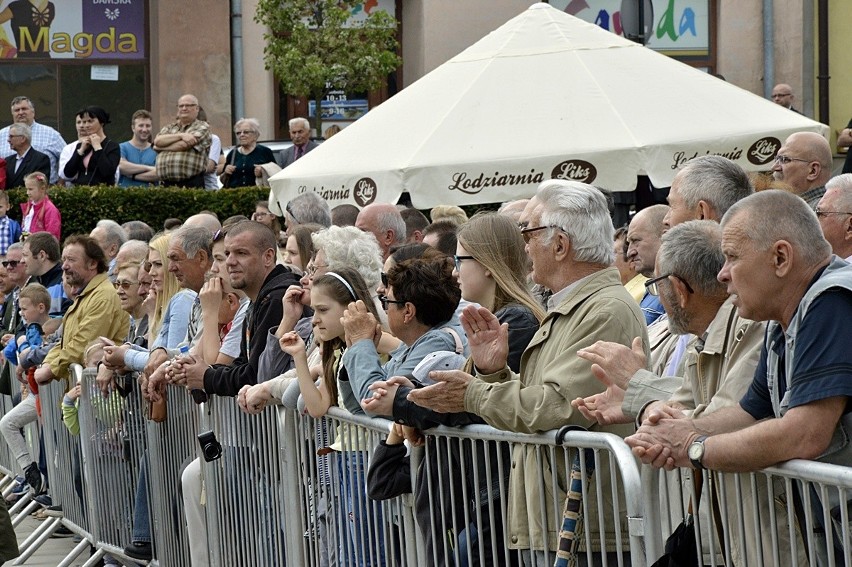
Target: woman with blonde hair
x=492 y=264
x=168 y=317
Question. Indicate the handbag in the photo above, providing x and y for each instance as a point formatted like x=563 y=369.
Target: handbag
x=682 y=549
x=225 y=178
x=157 y=411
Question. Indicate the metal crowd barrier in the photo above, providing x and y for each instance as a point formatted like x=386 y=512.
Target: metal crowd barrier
x=64 y=473
x=289 y=489
x=244 y=486
x=171 y=447
x=112 y=433
x=797 y=513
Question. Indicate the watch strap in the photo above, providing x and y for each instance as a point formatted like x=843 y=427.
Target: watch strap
x=697 y=462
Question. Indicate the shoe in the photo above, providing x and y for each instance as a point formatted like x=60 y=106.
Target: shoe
x=44 y=499
x=62 y=531
x=139 y=550
x=34 y=478
x=19 y=490
x=54 y=511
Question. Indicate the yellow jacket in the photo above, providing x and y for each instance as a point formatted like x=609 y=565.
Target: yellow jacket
x=95 y=313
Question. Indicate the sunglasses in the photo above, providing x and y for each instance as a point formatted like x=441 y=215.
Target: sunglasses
x=125 y=285
x=385 y=301
x=10 y=263
x=385 y=279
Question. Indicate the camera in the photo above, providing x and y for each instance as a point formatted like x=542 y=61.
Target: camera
x=210 y=447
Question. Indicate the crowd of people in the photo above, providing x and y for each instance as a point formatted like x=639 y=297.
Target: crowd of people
x=698 y=333
x=183 y=153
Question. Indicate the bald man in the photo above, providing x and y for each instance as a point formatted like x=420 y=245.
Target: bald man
x=643 y=240
x=804 y=163
x=782 y=95
x=383 y=221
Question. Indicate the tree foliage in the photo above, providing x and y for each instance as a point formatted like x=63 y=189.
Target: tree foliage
x=313 y=47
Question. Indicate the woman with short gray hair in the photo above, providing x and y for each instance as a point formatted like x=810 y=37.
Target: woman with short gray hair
x=243 y=163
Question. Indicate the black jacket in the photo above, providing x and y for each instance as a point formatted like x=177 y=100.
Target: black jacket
x=263 y=314
x=34 y=161
x=102 y=165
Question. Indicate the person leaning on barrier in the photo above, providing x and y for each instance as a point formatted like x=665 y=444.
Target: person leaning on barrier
x=704 y=189
x=490 y=263
x=95 y=313
x=569 y=238
x=779 y=269
x=420 y=299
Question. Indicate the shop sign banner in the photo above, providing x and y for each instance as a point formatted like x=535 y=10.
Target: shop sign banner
x=678 y=27
x=87 y=30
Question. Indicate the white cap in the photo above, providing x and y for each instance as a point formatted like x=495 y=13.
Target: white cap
x=440 y=360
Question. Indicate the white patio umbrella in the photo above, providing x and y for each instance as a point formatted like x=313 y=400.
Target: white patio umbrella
x=545 y=95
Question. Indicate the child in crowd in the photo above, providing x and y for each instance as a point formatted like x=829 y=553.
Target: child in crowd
x=10 y=230
x=38 y=212
x=34 y=305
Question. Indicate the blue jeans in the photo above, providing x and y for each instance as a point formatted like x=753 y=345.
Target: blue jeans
x=141 y=516
x=363 y=517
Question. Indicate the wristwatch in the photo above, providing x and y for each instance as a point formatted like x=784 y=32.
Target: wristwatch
x=695 y=452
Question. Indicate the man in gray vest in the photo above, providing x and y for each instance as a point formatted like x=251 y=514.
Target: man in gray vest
x=780 y=269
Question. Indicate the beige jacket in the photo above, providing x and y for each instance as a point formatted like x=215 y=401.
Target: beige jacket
x=539 y=399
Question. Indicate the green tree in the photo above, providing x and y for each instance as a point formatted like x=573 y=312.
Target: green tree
x=313 y=47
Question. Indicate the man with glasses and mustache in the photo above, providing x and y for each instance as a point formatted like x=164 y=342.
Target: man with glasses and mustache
x=44 y=138
x=804 y=163
x=183 y=147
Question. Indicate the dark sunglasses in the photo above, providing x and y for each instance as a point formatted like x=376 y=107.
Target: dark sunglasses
x=290 y=212
x=385 y=279
x=10 y=263
x=385 y=301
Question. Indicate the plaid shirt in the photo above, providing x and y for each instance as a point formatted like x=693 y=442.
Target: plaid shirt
x=173 y=165
x=10 y=231
x=812 y=196
x=45 y=139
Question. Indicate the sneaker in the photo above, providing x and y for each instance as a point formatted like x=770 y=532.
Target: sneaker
x=34 y=478
x=44 y=500
x=54 y=511
x=62 y=531
x=139 y=550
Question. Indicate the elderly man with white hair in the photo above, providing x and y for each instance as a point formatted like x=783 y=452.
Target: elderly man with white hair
x=834 y=212
x=569 y=239
x=300 y=134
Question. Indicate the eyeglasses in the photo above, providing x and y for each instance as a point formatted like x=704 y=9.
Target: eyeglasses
x=219 y=235
x=290 y=212
x=244 y=132
x=312 y=268
x=187 y=105
x=10 y=263
x=651 y=285
x=821 y=213
x=125 y=285
x=385 y=279
x=784 y=160
x=385 y=301
x=458 y=260
x=528 y=232
x=779 y=95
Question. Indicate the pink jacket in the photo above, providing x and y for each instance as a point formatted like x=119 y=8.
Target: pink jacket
x=46 y=217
